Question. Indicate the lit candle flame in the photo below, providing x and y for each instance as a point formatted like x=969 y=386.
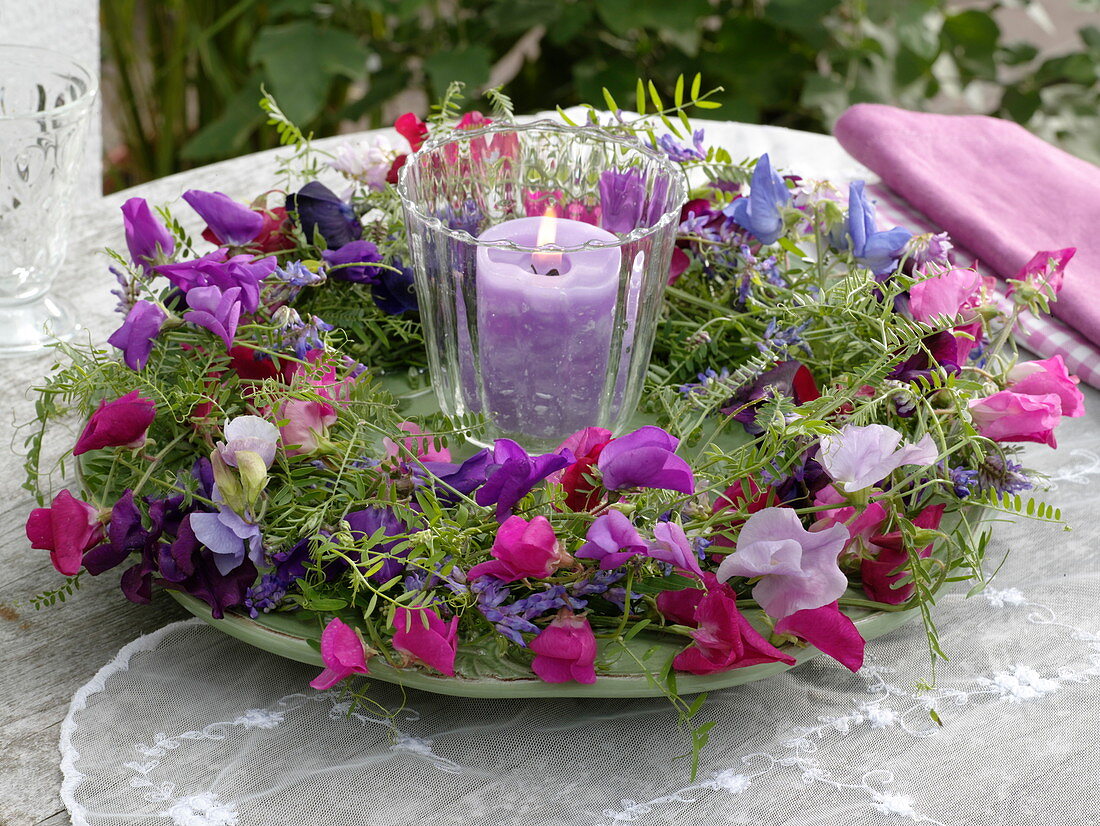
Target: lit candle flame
x=545 y=261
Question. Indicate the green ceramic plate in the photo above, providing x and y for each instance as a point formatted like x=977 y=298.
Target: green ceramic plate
x=487 y=672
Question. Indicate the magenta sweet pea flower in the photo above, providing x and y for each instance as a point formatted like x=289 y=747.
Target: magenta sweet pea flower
x=884 y=573
x=123 y=422
x=232 y=223
x=305 y=424
x=523 y=549
x=138 y=332
x=1045 y=272
x=565 y=651
x=797 y=568
x=67 y=528
x=858 y=457
x=343 y=653
x=146 y=238
x=679 y=607
x=612 y=539
x=1037 y=378
x=645 y=458
x=724 y=639
x=423 y=635
x=947 y=294
x=217 y=311
x=1017 y=417
x=251 y=433
x=672 y=546
x=828 y=630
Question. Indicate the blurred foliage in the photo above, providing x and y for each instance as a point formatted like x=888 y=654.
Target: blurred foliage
x=186 y=74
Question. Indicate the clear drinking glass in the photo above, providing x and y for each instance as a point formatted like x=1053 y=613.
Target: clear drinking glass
x=541 y=253
x=45 y=101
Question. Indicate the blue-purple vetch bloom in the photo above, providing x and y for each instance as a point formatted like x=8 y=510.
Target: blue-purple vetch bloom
x=859 y=456
x=354 y=261
x=216 y=270
x=250 y=433
x=622 y=198
x=217 y=311
x=645 y=458
x=320 y=210
x=879 y=251
x=797 y=568
x=229 y=537
x=612 y=539
x=290 y=566
x=138 y=332
x=761 y=211
x=368 y=521
x=395 y=291
x=514 y=473
x=146 y=237
x=671 y=545
x=232 y=223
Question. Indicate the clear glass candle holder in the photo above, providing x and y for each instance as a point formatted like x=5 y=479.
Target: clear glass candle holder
x=541 y=253
x=45 y=103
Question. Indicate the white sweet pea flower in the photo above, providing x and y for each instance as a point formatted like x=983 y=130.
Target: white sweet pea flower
x=367 y=161
x=250 y=433
x=857 y=457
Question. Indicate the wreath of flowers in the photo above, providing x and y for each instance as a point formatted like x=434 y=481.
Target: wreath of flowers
x=830 y=401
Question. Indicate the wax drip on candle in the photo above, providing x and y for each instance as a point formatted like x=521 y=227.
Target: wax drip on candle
x=546 y=262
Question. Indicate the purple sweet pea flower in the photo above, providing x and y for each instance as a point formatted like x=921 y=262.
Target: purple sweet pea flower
x=365 y=523
x=797 y=568
x=232 y=223
x=761 y=211
x=319 y=209
x=939 y=350
x=217 y=311
x=514 y=473
x=187 y=566
x=612 y=539
x=229 y=537
x=215 y=270
x=680 y=153
x=879 y=251
x=672 y=546
x=146 y=237
x=354 y=262
x=858 y=457
x=460 y=479
x=138 y=332
x=645 y=458
x=622 y=198
x=250 y=433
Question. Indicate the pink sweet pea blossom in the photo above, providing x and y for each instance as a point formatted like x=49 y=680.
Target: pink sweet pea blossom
x=950 y=294
x=306 y=422
x=672 y=546
x=858 y=457
x=797 y=568
x=586 y=445
x=724 y=639
x=423 y=635
x=1017 y=417
x=123 y=422
x=565 y=651
x=251 y=433
x=860 y=529
x=343 y=653
x=679 y=607
x=1036 y=378
x=418 y=443
x=523 y=549
x=67 y=528
x=829 y=630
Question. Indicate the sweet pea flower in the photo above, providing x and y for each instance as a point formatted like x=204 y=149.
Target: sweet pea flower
x=679 y=607
x=1017 y=417
x=412 y=129
x=929 y=249
x=829 y=630
x=394 y=291
x=67 y=528
x=146 y=238
x=366 y=523
x=514 y=473
x=343 y=652
x=948 y=294
x=123 y=422
x=354 y=262
x=645 y=458
x=307 y=422
x=581 y=493
x=565 y=651
x=724 y=639
x=761 y=211
x=1036 y=378
x=251 y=433
x=797 y=568
x=460 y=479
x=418 y=443
x=877 y=250
x=860 y=529
x=217 y=270
x=886 y=567
x=320 y=210
x=433 y=643
x=227 y=535
x=138 y=332
x=367 y=161
x=671 y=545
x=859 y=456
x=622 y=198
x=231 y=223
x=789 y=378
x=187 y=565
x=216 y=310
x=523 y=549
x=612 y=539
x=1044 y=273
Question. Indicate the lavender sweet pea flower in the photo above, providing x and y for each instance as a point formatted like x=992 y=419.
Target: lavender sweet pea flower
x=354 y=262
x=672 y=546
x=217 y=311
x=622 y=198
x=319 y=209
x=250 y=433
x=232 y=223
x=138 y=332
x=858 y=457
x=761 y=211
x=797 y=568
x=515 y=474
x=612 y=539
x=645 y=458
x=215 y=270
x=229 y=537
x=146 y=237
x=192 y=568
x=878 y=251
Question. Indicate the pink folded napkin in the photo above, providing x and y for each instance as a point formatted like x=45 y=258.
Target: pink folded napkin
x=1000 y=192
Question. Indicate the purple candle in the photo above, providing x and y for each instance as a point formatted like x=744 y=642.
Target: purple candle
x=544 y=323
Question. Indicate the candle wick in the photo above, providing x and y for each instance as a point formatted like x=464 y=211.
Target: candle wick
x=552 y=271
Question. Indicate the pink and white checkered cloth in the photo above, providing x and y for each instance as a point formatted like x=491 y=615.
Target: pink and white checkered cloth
x=1002 y=194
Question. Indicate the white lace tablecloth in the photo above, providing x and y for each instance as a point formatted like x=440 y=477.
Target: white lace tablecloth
x=191 y=728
